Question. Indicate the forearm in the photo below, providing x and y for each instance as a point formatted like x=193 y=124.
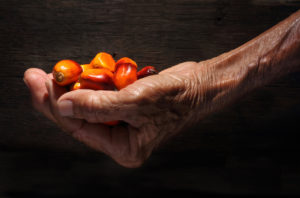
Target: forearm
x=272 y=54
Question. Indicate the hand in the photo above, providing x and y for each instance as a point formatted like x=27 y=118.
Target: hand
x=157 y=107
x=153 y=108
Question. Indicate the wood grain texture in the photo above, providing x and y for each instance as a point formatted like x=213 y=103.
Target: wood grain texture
x=250 y=147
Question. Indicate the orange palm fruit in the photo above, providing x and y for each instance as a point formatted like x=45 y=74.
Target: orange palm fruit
x=97 y=79
x=86 y=67
x=126 y=60
x=75 y=86
x=103 y=60
x=126 y=72
x=66 y=72
x=146 y=71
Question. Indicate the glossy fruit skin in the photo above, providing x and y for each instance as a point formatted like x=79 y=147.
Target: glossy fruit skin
x=126 y=60
x=75 y=86
x=103 y=73
x=124 y=75
x=97 y=79
x=86 y=67
x=103 y=60
x=66 y=72
x=146 y=71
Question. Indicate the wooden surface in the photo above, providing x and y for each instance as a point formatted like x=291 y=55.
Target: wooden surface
x=251 y=147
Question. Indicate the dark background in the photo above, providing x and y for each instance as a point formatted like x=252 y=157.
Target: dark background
x=250 y=147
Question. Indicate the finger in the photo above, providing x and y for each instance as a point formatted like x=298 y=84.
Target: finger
x=124 y=143
x=98 y=106
x=35 y=80
x=68 y=124
x=120 y=143
x=50 y=76
x=96 y=136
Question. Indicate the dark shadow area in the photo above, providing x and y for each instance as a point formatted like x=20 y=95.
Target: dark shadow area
x=249 y=148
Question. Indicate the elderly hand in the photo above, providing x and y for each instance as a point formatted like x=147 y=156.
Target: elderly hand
x=157 y=107
x=153 y=109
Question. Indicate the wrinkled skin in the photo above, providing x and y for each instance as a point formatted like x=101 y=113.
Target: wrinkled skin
x=154 y=109
x=157 y=107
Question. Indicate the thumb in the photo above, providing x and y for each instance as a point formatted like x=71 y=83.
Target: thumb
x=97 y=106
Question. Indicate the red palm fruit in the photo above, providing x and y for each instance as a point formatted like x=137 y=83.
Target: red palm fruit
x=126 y=60
x=66 y=72
x=146 y=71
x=112 y=123
x=103 y=60
x=125 y=73
x=97 y=79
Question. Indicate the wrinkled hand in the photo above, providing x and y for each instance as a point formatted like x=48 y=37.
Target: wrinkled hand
x=153 y=108
x=157 y=107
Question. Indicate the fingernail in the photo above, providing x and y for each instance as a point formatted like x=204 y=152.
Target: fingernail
x=65 y=108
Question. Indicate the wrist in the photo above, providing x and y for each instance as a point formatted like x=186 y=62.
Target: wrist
x=259 y=61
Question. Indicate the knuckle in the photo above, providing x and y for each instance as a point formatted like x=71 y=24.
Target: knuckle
x=77 y=134
x=132 y=163
x=192 y=87
x=137 y=163
x=137 y=119
x=92 y=108
x=132 y=156
x=87 y=108
x=133 y=93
